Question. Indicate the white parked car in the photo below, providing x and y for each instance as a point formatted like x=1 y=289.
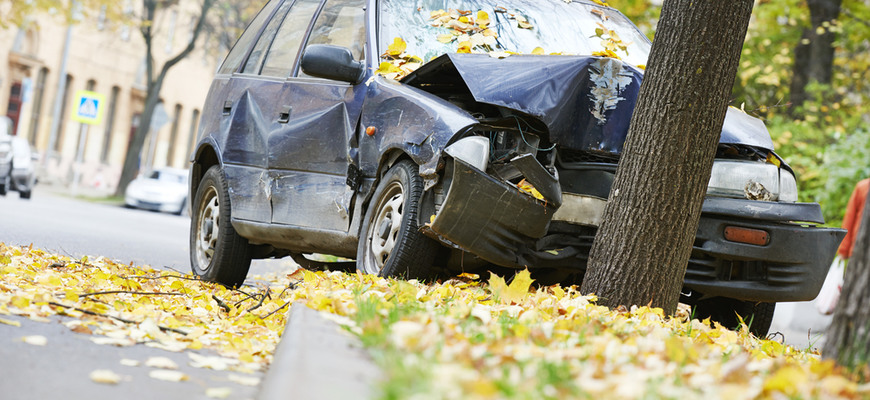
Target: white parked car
x=164 y=189
x=17 y=167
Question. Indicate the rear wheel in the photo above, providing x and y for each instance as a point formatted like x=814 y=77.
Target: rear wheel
x=757 y=315
x=390 y=241
x=4 y=185
x=25 y=194
x=217 y=252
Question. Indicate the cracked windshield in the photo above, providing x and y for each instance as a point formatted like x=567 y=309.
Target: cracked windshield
x=415 y=32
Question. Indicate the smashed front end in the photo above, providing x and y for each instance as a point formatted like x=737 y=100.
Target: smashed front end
x=527 y=184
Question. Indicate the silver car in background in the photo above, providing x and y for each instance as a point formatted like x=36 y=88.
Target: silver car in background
x=164 y=189
x=17 y=166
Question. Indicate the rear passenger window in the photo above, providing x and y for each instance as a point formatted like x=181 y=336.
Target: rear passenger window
x=240 y=49
x=255 y=60
x=341 y=23
x=282 y=55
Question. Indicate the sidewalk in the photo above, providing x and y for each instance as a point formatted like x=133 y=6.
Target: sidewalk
x=316 y=359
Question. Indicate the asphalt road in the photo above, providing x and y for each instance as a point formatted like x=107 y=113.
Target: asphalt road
x=68 y=226
x=60 y=369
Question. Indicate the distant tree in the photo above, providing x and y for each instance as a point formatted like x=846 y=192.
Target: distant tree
x=643 y=245
x=19 y=12
x=846 y=340
x=814 y=53
x=156 y=76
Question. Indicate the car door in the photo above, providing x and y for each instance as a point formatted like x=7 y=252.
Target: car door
x=252 y=110
x=309 y=156
x=236 y=101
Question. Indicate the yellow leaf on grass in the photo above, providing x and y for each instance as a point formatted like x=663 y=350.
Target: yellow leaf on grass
x=785 y=380
x=513 y=293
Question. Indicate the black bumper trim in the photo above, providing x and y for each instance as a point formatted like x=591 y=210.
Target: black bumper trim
x=763 y=210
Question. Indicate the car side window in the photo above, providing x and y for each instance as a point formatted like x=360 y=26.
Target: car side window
x=240 y=49
x=341 y=23
x=255 y=60
x=282 y=55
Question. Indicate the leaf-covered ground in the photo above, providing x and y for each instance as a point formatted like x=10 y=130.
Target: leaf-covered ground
x=464 y=338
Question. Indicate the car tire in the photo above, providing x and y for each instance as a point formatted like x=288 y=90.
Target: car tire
x=4 y=186
x=758 y=315
x=24 y=195
x=391 y=243
x=217 y=252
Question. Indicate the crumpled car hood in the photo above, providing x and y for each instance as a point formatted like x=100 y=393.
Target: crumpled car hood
x=586 y=102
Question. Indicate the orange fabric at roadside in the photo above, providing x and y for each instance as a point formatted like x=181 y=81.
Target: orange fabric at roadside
x=852 y=219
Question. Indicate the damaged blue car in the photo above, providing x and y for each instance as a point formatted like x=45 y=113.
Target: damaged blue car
x=439 y=136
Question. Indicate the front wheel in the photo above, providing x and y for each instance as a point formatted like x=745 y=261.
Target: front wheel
x=390 y=241
x=757 y=315
x=217 y=252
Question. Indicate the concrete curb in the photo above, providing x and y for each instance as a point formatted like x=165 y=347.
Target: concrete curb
x=316 y=359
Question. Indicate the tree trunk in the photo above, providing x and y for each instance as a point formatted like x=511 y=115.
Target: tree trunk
x=643 y=245
x=849 y=334
x=133 y=157
x=814 y=54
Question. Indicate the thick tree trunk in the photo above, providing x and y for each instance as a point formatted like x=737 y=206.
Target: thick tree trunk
x=642 y=247
x=848 y=338
x=814 y=54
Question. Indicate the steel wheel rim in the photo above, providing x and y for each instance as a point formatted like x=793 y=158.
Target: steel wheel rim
x=383 y=232
x=207 y=228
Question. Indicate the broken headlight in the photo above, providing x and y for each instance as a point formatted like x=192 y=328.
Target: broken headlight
x=473 y=150
x=752 y=180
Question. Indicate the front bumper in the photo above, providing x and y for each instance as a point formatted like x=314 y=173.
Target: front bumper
x=22 y=179
x=502 y=225
x=791 y=267
x=489 y=217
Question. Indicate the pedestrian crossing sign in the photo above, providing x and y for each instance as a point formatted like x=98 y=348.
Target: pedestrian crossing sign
x=88 y=107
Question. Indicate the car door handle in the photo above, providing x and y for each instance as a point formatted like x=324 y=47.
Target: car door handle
x=228 y=106
x=284 y=115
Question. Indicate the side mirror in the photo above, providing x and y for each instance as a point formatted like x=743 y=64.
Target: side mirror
x=332 y=62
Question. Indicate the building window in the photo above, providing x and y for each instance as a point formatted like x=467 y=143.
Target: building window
x=194 y=124
x=110 y=124
x=173 y=135
x=36 y=113
x=63 y=112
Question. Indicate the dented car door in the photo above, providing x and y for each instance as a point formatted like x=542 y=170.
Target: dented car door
x=310 y=152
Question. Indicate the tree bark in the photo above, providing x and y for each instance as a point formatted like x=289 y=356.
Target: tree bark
x=154 y=85
x=846 y=340
x=814 y=54
x=642 y=248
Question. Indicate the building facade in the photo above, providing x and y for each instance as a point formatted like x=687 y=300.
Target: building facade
x=109 y=59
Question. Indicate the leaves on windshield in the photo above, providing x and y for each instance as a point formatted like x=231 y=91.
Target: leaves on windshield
x=398 y=63
x=470 y=32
